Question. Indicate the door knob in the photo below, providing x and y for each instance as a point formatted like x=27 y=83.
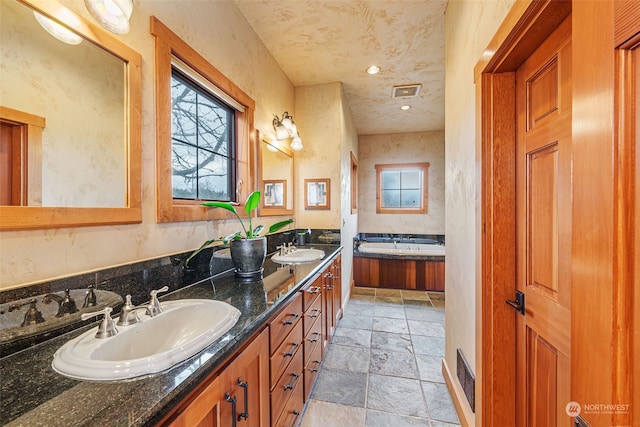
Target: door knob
x=518 y=304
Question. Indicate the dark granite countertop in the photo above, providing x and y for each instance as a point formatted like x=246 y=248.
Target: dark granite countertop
x=33 y=394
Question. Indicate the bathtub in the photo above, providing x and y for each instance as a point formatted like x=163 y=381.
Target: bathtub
x=390 y=248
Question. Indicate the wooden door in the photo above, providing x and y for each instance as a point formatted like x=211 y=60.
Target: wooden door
x=543 y=232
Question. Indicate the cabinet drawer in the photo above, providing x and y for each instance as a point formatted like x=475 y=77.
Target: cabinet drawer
x=311 y=315
x=291 y=346
x=311 y=293
x=290 y=383
x=311 y=339
x=292 y=411
x=312 y=367
x=285 y=322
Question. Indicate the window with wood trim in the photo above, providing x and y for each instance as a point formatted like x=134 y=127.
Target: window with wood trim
x=401 y=188
x=204 y=131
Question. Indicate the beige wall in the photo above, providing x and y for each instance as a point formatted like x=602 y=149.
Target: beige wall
x=329 y=136
x=401 y=148
x=463 y=49
x=221 y=34
x=349 y=229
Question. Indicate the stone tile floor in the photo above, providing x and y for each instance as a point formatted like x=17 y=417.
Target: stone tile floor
x=384 y=367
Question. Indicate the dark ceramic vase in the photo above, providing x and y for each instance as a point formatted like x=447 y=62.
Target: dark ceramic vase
x=248 y=256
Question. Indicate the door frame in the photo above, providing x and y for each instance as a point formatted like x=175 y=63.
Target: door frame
x=606 y=205
x=526 y=25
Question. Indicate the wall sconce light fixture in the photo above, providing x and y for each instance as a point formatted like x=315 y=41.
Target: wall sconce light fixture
x=286 y=128
x=113 y=15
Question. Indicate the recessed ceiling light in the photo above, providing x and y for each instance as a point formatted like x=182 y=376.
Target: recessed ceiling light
x=405 y=107
x=374 y=69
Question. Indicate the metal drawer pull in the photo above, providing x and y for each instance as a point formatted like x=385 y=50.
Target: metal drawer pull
x=316 y=314
x=317 y=338
x=317 y=362
x=294 y=347
x=245 y=385
x=313 y=289
x=295 y=420
x=293 y=383
x=231 y=400
x=293 y=318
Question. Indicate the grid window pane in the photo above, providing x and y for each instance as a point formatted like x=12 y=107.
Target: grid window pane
x=203 y=143
x=410 y=199
x=390 y=180
x=390 y=198
x=411 y=179
x=183 y=162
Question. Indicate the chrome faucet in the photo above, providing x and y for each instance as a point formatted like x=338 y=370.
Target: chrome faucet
x=32 y=315
x=66 y=304
x=129 y=310
x=154 y=304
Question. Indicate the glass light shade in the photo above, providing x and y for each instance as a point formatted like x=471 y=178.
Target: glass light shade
x=58 y=31
x=281 y=132
x=296 y=144
x=286 y=122
x=112 y=15
x=294 y=129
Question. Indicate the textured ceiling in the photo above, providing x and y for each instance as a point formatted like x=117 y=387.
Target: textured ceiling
x=317 y=41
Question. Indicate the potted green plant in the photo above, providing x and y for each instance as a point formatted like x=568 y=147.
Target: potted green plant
x=248 y=247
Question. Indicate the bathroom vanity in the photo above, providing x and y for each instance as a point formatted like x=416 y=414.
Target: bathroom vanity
x=259 y=373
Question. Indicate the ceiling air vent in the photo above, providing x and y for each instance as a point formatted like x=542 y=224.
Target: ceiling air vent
x=406 y=91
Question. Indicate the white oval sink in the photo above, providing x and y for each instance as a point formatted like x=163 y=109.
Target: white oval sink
x=298 y=256
x=153 y=345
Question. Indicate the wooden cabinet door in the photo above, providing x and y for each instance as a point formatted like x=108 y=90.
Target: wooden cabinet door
x=247 y=381
x=205 y=409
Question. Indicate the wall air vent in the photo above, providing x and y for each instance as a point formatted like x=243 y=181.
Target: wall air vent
x=406 y=91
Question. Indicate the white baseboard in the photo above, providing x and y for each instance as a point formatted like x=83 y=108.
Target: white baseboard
x=467 y=418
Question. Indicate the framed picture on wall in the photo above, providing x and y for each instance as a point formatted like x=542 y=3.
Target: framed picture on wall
x=317 y=194
x=275 y=193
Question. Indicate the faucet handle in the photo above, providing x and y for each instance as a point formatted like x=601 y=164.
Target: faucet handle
x=107 y=327
x=154 y=304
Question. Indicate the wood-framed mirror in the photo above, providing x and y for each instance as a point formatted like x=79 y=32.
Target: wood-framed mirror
x=83 y=167
x=275 y=177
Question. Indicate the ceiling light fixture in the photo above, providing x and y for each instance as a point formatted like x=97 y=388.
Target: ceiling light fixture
x=405 y=107
x=286 y=128
x=374 y=69
x=113 y=15
x=58 y=31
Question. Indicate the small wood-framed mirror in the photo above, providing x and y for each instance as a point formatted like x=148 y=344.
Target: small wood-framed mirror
x=275 y=177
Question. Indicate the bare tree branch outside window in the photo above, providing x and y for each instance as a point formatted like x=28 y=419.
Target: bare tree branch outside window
x=202 y=131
